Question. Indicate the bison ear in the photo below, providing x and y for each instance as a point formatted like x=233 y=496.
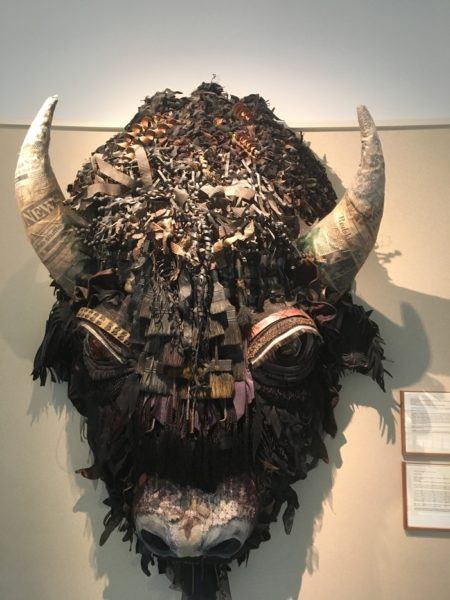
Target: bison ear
x=54 y=355
x=40 y=200
x=340 y=243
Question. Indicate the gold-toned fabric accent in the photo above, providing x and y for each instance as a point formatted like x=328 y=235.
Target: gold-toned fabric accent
x=106 y=324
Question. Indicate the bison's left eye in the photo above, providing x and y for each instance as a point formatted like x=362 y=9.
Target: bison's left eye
x=283 y=347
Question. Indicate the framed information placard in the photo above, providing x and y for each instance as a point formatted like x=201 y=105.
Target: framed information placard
x=426 y=496
x=425 y=423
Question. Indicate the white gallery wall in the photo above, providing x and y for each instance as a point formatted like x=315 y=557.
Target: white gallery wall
x=313 y=60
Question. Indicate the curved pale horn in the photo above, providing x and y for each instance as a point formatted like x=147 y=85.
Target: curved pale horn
x=40 y=201
x=340 y=243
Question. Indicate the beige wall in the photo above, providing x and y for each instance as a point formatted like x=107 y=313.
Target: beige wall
x=348 y=540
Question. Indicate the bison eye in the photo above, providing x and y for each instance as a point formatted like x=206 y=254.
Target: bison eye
x=97 y=350
x=105 y=340
x=101 y=359
x=100 y=350
x=283 y=347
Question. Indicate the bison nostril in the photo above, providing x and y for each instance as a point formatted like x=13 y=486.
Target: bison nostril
x=225 y=549
x=155 y=543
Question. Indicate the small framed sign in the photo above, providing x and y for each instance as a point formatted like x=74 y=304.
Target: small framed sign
x=426 y=496
x=425 y=423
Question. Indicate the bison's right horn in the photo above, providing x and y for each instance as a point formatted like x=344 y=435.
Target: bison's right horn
x=40 y=201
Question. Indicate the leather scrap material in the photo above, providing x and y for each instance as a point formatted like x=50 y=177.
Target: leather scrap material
x=107 y=169
x=104 y=188
x=145 y=170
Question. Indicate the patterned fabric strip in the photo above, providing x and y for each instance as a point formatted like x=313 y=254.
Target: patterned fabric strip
x=106 y=324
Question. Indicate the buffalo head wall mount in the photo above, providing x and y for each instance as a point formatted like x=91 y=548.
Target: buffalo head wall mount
x=203 y=317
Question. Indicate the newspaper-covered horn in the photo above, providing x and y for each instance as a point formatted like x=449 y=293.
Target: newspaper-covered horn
x=40 y=201
x=340 y=243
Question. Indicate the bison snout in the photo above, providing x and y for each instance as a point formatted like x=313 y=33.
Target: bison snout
x=186 y=522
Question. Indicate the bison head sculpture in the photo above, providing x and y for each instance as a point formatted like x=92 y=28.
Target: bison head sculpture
x=203 y=317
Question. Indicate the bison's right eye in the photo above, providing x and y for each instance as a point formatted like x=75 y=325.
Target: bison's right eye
x=283 y=347
x=96 y=349
x=101 y=359
x=106 y=342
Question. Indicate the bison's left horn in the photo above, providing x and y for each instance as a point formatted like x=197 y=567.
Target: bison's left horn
x=340 y=243
x=40 y=201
